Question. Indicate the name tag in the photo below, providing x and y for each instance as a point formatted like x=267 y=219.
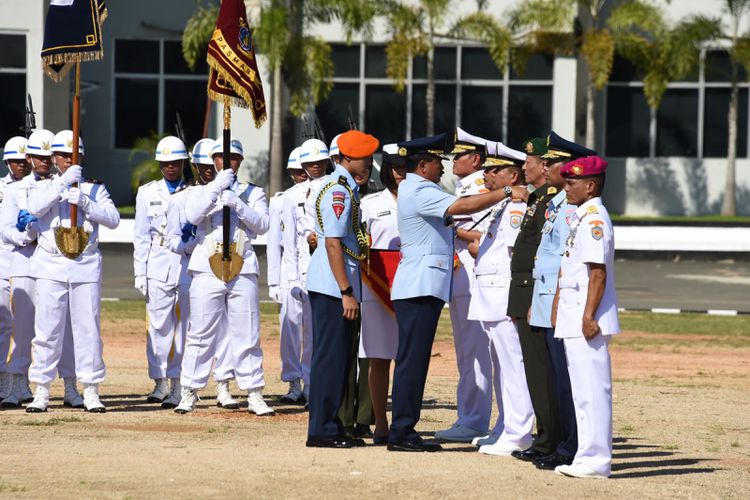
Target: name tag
x=155 y=203
x=383 y=214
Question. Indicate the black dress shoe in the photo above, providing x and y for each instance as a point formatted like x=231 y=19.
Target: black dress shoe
x=416 y=444
x=528 y=455
x=549 y=462
x=332 y=442
x=362 y=431
x=350 y=431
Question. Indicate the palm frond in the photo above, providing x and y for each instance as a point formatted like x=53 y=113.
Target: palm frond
x=407 y=39
x=308 y=71
x=148 y=168
x=198 y=31
x=598 y=49
x=547 y=15
x=272 y=33
x=485 y=28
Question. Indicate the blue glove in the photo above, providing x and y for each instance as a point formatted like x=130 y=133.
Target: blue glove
x=188 y=231
x=24 y=219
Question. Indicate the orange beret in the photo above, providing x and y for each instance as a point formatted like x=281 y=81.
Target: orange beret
x=356 y=144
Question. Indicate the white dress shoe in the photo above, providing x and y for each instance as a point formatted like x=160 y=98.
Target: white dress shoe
x=500 y=449
x=72 y=398
x=578 y=470
x=459 y=434
x=160 y=392
x=484 y=440
x=188 y=398
x=41 y=399
x=294 y=395
x=255 y=403
x=224 y=397
x=91 y=401
x=175 y=395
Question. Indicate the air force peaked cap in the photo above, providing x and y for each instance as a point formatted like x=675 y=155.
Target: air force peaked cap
x=437 y=145
x=562 y=149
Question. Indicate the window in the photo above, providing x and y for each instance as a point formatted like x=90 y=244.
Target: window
x=692 y=116
x=152 y=83
x=470 y=92
x=13 y=83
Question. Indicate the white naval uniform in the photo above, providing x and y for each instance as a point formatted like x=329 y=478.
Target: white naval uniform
x=215 y=304
x=473 y=394
x=295 y=341
x=379 y=337
x=68 y=289
x=167 y=281
x=176 y=219
x=6 y=316
x=294 y=263
x=489 y=305
x=591 y=240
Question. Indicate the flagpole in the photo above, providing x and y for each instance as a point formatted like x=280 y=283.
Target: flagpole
x=225 y=256
x=76 y=135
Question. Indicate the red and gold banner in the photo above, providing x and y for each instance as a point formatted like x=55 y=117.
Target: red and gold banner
x=378 y=272
x=234 y=70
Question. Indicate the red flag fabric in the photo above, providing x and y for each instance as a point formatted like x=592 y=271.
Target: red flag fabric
x=378 y=271
x=234 y=71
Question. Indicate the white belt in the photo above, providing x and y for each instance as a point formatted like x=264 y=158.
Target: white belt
x=211 y=246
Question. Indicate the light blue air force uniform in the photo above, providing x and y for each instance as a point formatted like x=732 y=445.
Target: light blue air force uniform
x=426 y=266
x=548 y=256
x=336 y=212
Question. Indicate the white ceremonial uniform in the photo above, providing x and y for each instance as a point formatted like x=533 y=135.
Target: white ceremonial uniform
x=68 y=289
x=6 y=316
x=379 y=334
x=295 y=261
x=214 y=304
x=473 y=394
x=167 y=279
x=295 y=340
x=176 y=219
x=591 y=240
x=489 y=304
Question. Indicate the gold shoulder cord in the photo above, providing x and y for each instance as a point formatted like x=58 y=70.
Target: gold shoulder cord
x=356 y=224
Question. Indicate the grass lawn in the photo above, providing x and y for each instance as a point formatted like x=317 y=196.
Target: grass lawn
x=683 y=219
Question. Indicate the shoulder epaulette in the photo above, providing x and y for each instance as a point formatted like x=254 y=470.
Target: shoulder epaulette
x=93 y=181
x=480 y=181
x=276 y=195
x=180 y=188
x=342 y=180
x=592 y=210
x=552 y=190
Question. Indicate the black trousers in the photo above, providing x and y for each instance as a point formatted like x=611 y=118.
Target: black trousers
x=331 y=360
x=559 y=364
x=356 y=406
x=417 y=322
x=538 y=370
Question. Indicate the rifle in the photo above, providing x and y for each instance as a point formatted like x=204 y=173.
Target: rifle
x=187 y=169
x=30 y=124
x=352 y=123
x=306 y=131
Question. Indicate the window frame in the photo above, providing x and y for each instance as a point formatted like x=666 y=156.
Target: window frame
x=20 y=70
x=160 y=78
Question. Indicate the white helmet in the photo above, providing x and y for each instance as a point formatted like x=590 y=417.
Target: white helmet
x=293 y=161
x=15 y=148
x=334 y=149
x=235 y=147
x=202 y=152
x=313 y=150
x=171 y=148
x=63 y=142
x=40 y=143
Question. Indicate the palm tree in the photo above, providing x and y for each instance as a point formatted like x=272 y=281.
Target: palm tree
x=548 y=26
x=414 y=30
x=660 y=52
x=739 y=53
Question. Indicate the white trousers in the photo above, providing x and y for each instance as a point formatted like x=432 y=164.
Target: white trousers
x=168 y=310
x=223 y=365
x=56 y=301
x=474 y=391
x=514 y=403
x=6 y=324
x=22 y=301
x=295 y=320
x=591 y=382
x=235 y=306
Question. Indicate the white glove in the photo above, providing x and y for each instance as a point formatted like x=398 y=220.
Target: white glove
x=229 y=199
x=296 y=290
x=73 y=175
x=140 y=284
x=76 y=197
x=223 y=180
x=274 y=293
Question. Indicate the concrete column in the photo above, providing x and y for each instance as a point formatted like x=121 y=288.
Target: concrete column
x=564 y=97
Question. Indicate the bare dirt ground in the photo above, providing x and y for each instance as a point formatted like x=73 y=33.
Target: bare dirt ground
x=680 y=416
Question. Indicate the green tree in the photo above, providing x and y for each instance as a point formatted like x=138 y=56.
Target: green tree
x=148 y=168
x=660 y=51
x=739 y=53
